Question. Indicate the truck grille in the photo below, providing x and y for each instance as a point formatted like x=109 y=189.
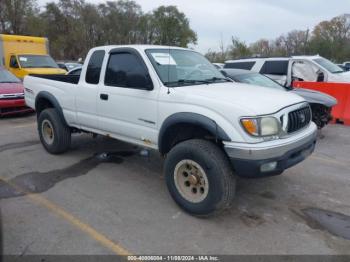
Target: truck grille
x=298 y=119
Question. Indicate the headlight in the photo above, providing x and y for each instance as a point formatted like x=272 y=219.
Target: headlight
x=261 y=126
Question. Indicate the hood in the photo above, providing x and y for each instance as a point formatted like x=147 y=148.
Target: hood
x=44 y=71
x=11 y=88
x=341 y=77
x=256 y=100
x=315 y=97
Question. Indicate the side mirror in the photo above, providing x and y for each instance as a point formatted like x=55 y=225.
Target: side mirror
x=320 y=77
x=139 y=81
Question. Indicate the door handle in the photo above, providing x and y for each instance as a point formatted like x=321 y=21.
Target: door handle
x=103 y=96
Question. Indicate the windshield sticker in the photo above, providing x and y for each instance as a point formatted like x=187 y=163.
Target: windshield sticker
x=23 y=59
x=164 y=58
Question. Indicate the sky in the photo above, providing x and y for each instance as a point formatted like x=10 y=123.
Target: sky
x=249 y=20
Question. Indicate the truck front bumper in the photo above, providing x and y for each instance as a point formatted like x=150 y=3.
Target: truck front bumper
x=273 y=157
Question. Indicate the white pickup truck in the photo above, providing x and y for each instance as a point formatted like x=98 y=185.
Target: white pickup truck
x=171 y=99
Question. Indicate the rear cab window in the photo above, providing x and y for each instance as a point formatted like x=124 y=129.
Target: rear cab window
x=240 y=65
x=276 y=67
x=94 y=67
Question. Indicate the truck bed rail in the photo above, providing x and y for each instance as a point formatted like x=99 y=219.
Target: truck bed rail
x=73 y=79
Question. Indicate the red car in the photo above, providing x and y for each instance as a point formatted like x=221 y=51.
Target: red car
x=11 y=94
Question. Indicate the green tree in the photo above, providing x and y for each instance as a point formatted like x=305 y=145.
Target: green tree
x=171 y=27
x=261 y=47
x=120 y=21
x=14 y=15
x=332 y=38
x=238 y=48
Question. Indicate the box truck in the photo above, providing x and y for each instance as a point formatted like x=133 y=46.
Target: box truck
x=23 y=55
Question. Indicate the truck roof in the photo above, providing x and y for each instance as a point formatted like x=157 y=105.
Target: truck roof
x=138 y=47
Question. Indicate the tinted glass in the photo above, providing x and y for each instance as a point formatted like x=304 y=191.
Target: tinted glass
x=275 y=68
x=126 y=70
x=75 y=72
x=240 y=65
x=7 y=77
x=94 y=67
x=13 y=61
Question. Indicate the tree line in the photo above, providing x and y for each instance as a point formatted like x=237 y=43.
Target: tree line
x=330 y=39
x=75 y=26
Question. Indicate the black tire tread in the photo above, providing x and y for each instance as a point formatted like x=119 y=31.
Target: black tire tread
x=61 y=130
x=218 y=156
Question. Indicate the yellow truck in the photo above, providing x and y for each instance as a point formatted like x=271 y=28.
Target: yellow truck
x=23 y=55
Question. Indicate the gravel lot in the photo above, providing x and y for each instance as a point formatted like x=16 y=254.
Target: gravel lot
x=105 y=197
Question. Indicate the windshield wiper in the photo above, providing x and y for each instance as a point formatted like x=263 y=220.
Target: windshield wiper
x=187 y=81
x=197 y=81
x=216 y=79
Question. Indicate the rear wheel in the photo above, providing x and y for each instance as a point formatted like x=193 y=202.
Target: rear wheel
x=54 y=134
x=199 y=177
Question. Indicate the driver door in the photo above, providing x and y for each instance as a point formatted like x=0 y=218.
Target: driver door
x=127 y=101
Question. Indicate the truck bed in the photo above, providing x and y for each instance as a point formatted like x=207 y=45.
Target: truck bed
x=63 y=88
x=73 y=79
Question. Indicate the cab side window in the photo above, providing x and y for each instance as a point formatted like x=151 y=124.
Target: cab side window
x=13 y=62
x=275 y=68
x=127 y=70
x=94 y=67
x=240 y=65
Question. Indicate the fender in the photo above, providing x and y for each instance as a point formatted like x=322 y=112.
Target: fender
x=190 y=118
x=49 y=97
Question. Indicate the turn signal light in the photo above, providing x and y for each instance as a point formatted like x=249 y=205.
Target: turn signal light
x=251 y=126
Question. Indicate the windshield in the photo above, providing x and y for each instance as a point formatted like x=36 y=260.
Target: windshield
x=328 y=65
x=177 y=67
x=7 y=77
x=37 y=61
x=257 y=79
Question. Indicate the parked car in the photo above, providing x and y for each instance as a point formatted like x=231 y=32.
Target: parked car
x=11 y=94
x=219 y=65
x=62 y=65
x=68 y=66
x=346 y=66
x=208 y=128
x=321 y=103
x=343 y=67
x=285 y=70
x=75 y=71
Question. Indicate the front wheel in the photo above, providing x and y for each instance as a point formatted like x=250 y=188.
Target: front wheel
x=199 y=177
x=54 y=134
x=321 y=115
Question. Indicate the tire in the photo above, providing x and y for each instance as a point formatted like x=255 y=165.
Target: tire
x=321 y=115
x=183 y=168
x=54 y=134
